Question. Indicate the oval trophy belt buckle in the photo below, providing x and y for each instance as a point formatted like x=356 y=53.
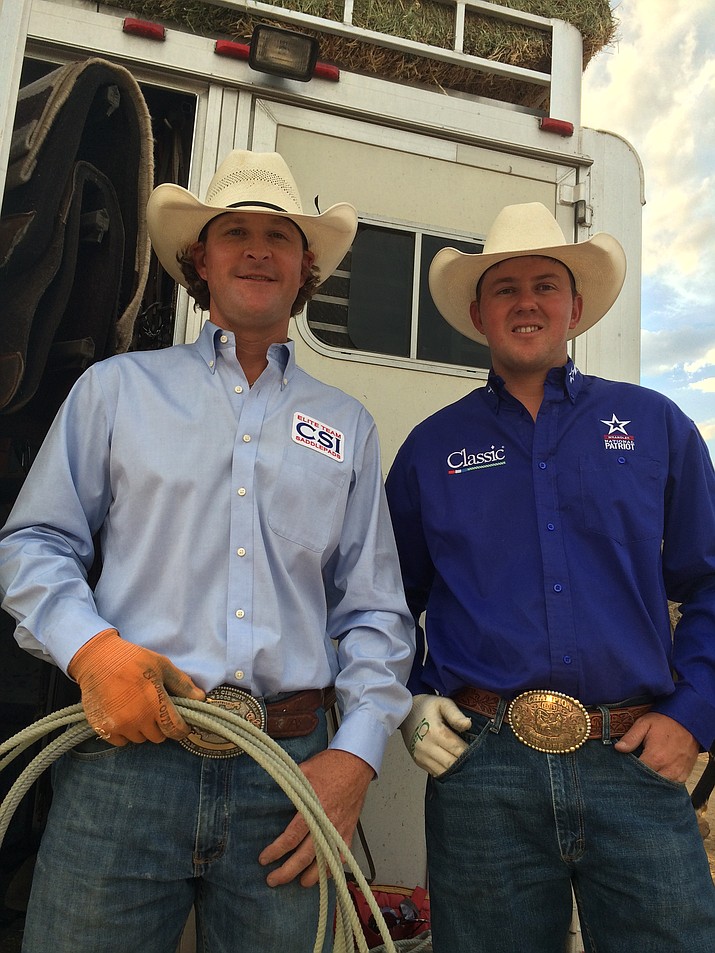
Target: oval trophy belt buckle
x=206 y=743
x=549 y=721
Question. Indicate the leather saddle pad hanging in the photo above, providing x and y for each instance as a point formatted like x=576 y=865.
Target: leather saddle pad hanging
x=74 y=250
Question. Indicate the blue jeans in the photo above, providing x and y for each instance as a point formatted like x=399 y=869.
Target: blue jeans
x=510 y=832
x=137 y=835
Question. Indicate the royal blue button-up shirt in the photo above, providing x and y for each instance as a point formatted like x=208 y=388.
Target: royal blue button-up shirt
x=544 y=552
x=244 y=532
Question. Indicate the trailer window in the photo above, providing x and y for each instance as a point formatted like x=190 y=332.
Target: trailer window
x=378 y=300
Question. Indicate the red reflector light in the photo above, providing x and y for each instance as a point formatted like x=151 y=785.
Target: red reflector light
x=143 y=28
x=560 y=126
x=326 y=71
x=238 y=51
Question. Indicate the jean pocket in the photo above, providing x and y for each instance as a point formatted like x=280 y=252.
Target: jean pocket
x=651 y=773
x=93 y=749
x=475 y=738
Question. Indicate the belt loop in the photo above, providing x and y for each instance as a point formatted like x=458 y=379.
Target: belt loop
x=499 y=715
x=606 y=732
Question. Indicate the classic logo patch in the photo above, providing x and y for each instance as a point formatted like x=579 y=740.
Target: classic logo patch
x=460 y=461
x=618 y=437
x=318 y=436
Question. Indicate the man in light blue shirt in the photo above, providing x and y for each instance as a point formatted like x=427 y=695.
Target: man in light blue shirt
x=245 y=547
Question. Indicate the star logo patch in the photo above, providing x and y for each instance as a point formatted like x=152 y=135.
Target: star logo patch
x=618 y=437
x=616 y=426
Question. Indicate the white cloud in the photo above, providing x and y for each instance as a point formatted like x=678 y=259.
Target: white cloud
x=657 y=352
x=687 y=348
x=707 y=360
x=656 y=88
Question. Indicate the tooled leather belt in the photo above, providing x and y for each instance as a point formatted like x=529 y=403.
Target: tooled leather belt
x=296 y=716
x=551 y=721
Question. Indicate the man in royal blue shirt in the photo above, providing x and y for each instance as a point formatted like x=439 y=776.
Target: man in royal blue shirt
x=543 y=523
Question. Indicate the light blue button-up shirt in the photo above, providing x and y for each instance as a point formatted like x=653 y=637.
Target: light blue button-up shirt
x=244 y=532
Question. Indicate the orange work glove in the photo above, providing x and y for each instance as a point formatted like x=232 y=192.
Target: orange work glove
x=126 y=689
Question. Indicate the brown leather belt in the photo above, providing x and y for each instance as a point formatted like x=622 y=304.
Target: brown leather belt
x=484 y=702
x=296 y=716
x=291 y=717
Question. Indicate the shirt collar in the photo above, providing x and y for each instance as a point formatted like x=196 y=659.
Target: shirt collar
x=495 y=390
x=283 y=357
x=566 y=380
x=209 y=342
x=572 y=379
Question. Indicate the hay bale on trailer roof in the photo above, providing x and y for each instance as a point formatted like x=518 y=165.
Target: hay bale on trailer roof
x=423 y=21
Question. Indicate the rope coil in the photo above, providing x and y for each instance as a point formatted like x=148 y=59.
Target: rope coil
x=331 y=851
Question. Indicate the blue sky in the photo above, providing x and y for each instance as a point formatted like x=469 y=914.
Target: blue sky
x=655 y=86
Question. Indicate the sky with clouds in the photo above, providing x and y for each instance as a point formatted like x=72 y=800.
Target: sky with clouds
x=655 y=86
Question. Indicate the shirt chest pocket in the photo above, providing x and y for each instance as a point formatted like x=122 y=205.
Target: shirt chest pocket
x=304 y=503
x=622 y=497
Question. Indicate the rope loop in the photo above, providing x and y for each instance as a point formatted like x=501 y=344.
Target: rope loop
x=332 y=854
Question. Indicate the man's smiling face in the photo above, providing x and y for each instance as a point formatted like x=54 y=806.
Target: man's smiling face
x=254 y=265
x=526 y=309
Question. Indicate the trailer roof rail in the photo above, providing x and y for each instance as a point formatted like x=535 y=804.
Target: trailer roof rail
x=563 y=82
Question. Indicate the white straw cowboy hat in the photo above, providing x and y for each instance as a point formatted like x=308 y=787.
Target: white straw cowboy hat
x=248 y=182
x=598 y=265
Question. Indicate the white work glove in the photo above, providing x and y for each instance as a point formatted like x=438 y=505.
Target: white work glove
x=429 y=732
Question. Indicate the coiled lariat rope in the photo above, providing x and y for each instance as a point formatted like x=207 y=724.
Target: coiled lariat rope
x=331 y=851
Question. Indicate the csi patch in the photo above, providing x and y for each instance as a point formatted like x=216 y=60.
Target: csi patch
x=318 y=436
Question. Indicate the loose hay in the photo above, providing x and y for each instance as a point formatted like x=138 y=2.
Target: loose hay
x=424 y=21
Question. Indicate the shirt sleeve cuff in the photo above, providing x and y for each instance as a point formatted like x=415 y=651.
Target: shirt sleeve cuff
x=73 y=636
x=362 y=735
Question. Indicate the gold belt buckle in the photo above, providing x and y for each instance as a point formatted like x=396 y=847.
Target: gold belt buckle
x=549 y=721
x=210 y=745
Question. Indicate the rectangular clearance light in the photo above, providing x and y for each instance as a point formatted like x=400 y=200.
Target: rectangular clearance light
x=283 y=53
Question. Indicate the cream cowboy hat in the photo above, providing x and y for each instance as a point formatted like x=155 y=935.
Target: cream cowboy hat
x=249 y=182
x=598 y=265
